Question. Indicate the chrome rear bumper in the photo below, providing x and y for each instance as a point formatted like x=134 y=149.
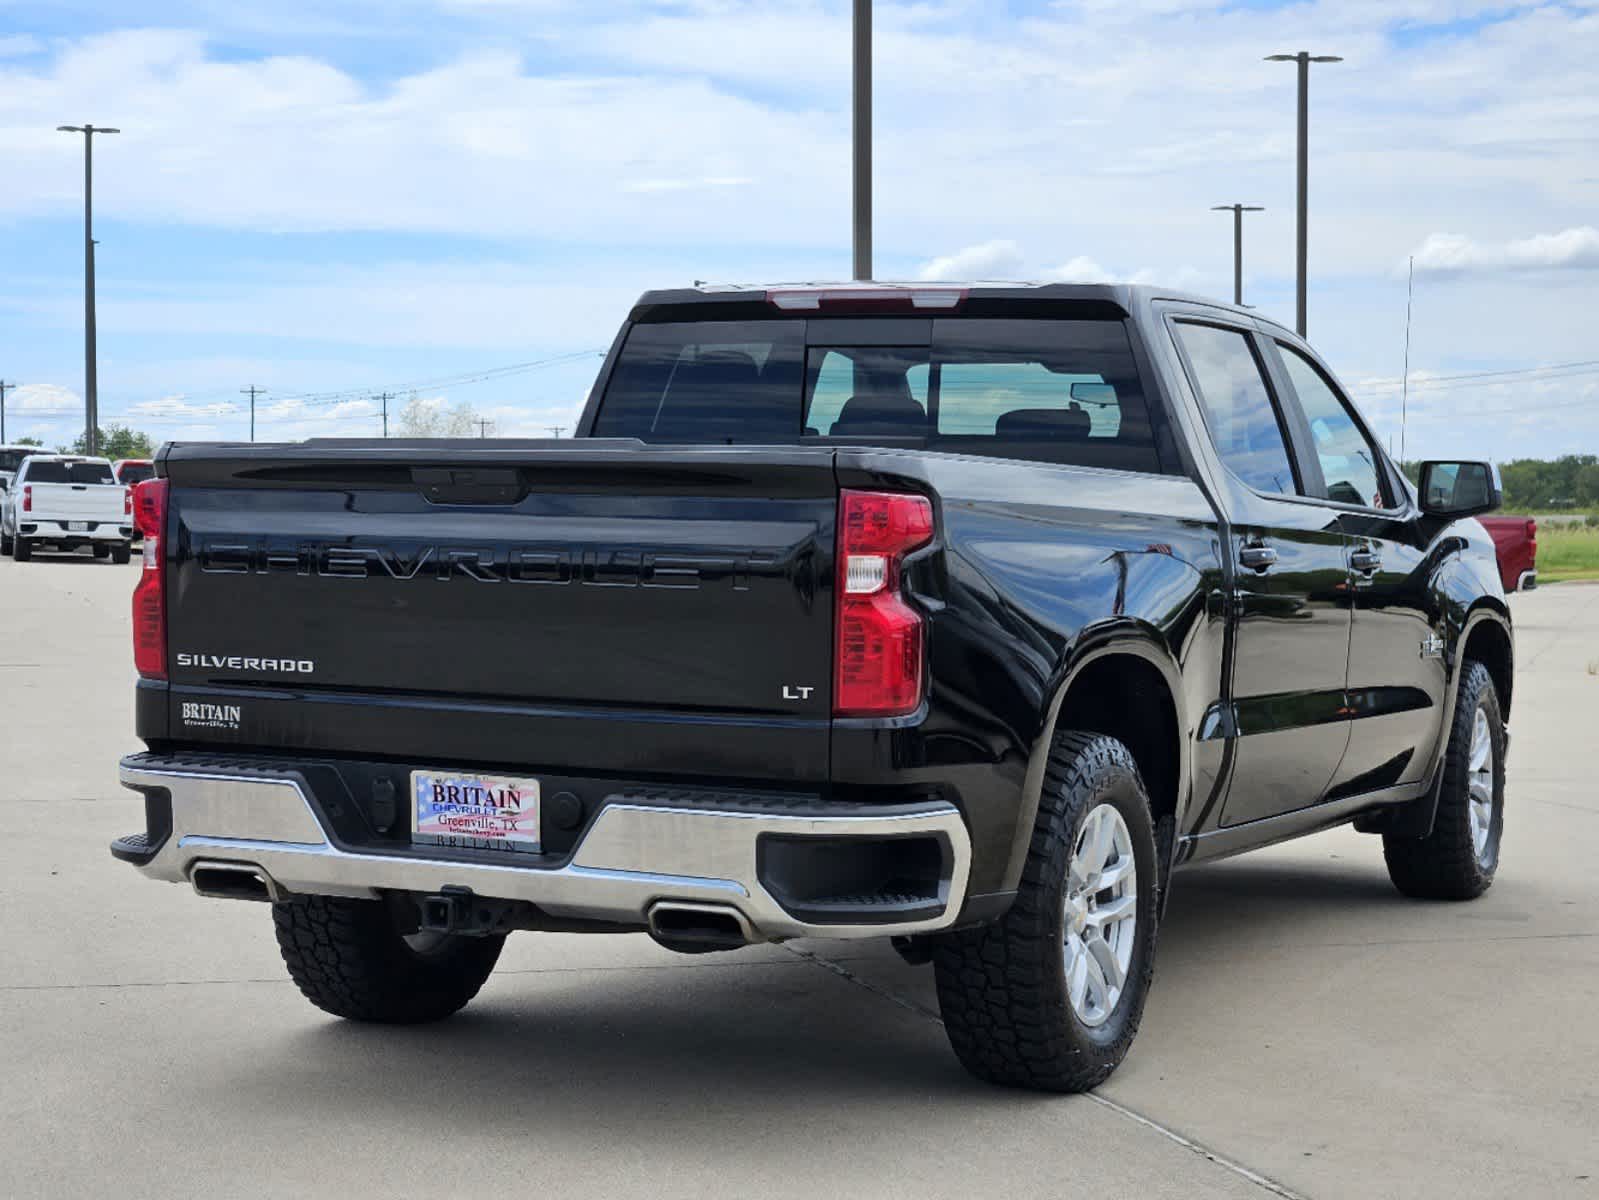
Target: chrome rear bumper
x=632 y=857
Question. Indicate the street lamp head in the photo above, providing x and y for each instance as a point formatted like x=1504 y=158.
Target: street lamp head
x=86 y=129
x=1326 y=58
x=69 y=128
x=1282 y=58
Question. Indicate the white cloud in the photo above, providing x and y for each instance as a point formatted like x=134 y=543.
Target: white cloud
x=1570 y=249
x=988 y=260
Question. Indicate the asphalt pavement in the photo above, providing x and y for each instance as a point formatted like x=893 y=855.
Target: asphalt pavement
x=1311 y=1033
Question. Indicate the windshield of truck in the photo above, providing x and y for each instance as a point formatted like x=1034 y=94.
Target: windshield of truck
x=1063 y=391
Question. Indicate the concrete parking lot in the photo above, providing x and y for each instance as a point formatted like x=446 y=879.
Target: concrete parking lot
x=1311 y=1033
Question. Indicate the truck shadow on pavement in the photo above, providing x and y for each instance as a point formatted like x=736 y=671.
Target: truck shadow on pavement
x=629 y=1046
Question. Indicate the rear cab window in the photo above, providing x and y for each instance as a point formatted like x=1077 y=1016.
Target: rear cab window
x=1059 y=390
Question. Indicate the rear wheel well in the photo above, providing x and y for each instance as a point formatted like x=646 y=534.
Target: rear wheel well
x=1489 y=644
x=1126 y=697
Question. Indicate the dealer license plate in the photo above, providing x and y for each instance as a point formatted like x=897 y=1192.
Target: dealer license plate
x=77 y=526
x=482 y=812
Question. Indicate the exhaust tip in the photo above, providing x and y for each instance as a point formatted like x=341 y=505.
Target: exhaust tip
x=699 y=928
x=231 y=881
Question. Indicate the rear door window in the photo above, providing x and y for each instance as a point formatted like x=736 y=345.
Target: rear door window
x=1244 y=423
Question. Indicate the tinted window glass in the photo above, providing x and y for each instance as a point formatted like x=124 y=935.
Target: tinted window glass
x=10 y=460
x=1238 y=409
x=1348 y=462
x=707 y=381
x=89 y=473
x=1059 y=391
x=47 y=472
x=135 y=473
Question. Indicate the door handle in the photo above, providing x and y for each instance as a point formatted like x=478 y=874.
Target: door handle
x=1365 y=561
x=1257 y=556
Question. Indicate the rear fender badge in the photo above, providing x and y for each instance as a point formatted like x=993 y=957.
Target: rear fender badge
x=791 y=692
x=1432 y=647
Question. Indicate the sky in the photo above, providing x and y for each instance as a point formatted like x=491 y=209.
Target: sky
x=458 y=200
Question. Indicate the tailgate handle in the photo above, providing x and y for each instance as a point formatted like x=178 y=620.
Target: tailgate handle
x=469 y=485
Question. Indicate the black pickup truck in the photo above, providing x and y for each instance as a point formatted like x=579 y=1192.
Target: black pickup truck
x=954 y=615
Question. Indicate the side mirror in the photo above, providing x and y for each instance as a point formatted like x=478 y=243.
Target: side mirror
x=1460 y=489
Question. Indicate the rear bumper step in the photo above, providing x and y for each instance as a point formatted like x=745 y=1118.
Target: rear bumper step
x=248 y=833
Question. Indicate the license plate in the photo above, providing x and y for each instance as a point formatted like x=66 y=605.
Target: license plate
x=77 y=526
x=480 y=812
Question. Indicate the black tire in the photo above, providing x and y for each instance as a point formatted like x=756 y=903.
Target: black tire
x=5 y=545
x=22 y=549
x=101 y=550
x=1002 y=987
x=121 y=554
x=1445 y=865
x=348 y=959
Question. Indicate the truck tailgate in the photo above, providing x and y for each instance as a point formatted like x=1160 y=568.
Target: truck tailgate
x=614 y=582
x=103 y=502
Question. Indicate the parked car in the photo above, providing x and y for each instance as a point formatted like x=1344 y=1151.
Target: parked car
x=1516 y=545
x=129 y=471
x=65 y=502
x=957 y=615
x=11 y=458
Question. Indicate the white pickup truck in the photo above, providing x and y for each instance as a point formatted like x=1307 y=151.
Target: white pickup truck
x=65 y=501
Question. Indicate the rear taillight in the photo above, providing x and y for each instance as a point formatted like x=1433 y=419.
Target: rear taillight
x=879 y=647
x=127 y=502
x=27 y=497
x=149 y=504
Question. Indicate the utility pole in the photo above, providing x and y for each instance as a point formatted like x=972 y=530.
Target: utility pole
x=863 y=139
x=91 y=400
x=4 y=388
x=555 y=430
x=252 y=391
x=483 y=427
x=1238 y=211
x=1304 y=59
x=383 y=398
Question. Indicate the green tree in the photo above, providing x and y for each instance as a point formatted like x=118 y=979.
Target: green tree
x=118 y=441
x=29 y=441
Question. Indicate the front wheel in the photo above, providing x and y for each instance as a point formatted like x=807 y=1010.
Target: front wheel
x=1458 y=859
x=349 y=958
x=22 y=548
x=101 y=551
x=1050 y=996
x=121 y=553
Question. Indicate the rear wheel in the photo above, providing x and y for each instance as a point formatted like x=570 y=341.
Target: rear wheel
x=1457 y=860
x=1050 y=996
x=101 y=550
x=121 y=553
x=349 y=958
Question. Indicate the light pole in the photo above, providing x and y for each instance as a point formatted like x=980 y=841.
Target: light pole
x=863 y=139
x=1304 y=59
x=1238 y=211
x=91 y=401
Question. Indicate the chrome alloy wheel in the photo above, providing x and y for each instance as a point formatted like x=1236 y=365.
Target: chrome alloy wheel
x=1101 y=915
x=1480 y=784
